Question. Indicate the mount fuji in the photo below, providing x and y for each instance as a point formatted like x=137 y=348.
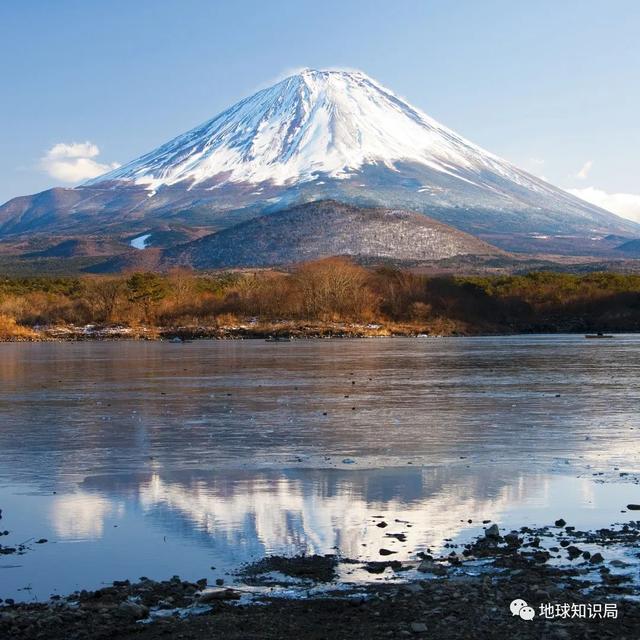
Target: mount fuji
x=334 y=136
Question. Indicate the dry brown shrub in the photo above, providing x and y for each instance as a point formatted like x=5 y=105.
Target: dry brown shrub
x=420 y=311
x=104 y=297
x=445 y=327
x=226 y=320
x=335 y=289
x=11 y=330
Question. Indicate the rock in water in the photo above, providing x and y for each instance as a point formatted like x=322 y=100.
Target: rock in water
x=492 y=532
x=427 y=566
x=133 y=610
x=217 y=595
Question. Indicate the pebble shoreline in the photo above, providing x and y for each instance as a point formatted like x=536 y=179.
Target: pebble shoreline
x=465 y=594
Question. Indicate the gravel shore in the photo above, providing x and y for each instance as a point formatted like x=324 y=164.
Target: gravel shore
x=467 y=594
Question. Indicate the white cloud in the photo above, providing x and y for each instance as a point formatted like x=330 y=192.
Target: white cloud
x=74 y=162
x=583 y=174
x=626 y=205
x=73 y=150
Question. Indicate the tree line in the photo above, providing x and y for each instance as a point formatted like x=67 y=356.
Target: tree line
x=331 y=290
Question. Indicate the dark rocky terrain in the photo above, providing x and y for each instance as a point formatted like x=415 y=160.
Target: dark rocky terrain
x=452 y=598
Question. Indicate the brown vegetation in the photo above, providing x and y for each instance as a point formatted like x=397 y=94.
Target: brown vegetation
x=11 y=330
x=327 y=291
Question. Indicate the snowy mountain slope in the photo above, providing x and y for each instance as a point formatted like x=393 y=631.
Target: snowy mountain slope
x=321 y=135
x=315 y=123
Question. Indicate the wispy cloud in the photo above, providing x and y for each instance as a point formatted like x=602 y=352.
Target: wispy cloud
x=626 y=205
x=74 y=162
x=583 y=173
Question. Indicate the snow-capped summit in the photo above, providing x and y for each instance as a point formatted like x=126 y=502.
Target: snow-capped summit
x=310 y=125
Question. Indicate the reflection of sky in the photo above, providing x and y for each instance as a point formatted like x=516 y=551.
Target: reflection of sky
x=79 y=516
x=158 y=525
x=284 y=513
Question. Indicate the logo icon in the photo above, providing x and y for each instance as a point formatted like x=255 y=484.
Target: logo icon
x=519 y=607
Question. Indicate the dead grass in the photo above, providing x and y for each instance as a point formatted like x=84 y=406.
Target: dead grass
x=10 y=330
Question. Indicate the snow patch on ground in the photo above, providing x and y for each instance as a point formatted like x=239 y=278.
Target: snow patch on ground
x=141 y=242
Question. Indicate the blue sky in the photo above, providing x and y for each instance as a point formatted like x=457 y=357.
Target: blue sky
x=552 y=86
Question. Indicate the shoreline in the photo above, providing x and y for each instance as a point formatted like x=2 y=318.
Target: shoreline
x=465 y=594
x=275 y=332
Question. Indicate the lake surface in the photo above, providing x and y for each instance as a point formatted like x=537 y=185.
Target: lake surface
x=147 y=458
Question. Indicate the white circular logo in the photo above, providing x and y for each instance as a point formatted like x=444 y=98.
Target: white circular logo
x=527 y=613
x=519 y=607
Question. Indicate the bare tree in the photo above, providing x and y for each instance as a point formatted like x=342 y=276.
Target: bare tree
x=104 y=295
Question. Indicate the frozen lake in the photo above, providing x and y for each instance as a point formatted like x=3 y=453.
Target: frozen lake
x=147 y=458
